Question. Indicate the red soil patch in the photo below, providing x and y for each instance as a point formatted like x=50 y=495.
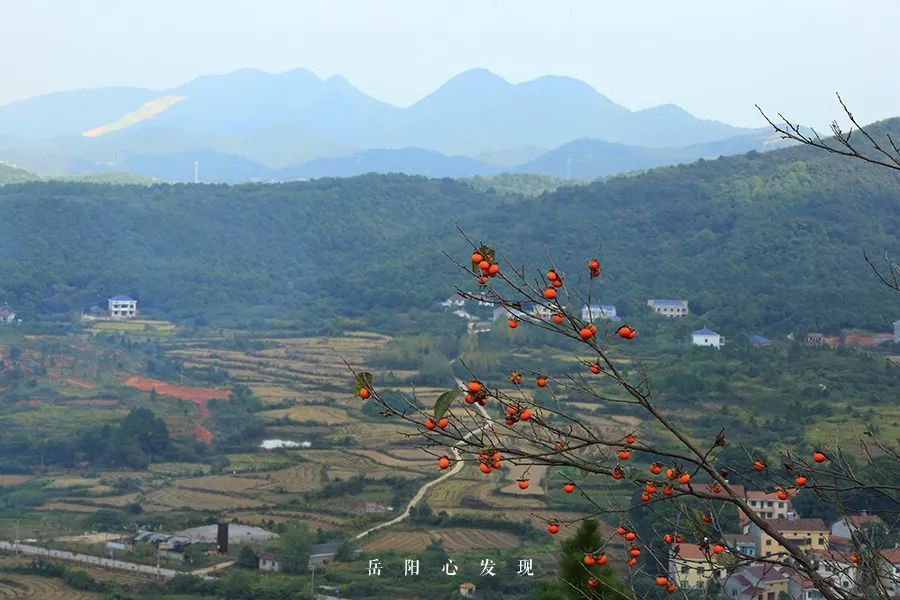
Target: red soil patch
x=199 y=396
x=191 y=394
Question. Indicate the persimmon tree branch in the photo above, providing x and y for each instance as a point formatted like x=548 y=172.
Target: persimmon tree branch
x=867 y=148
x=529 y=432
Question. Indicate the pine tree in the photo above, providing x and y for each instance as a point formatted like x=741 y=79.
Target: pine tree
x=575 y=574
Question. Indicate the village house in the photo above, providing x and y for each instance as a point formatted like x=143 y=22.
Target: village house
x=768 y=505
x=7 y=316
x=757 y=581
x=669 y=308
x=590 y=312
x=802 y=588
x=455 y=301
x=467 y=589
x=848 y=525
x=479 y=327
x=706 y=337
x=811 y=534
x=122 y=307
x=544 y=313
x=266 y=561
x=820 y=340
x=508 y=312
x=864 y=340
x=742 y=543
x=897 y=331
x=889 y=571
x=837 y=567
x=691 y=567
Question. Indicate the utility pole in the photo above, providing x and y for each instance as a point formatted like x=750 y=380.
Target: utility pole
x=17 y=536
x=312 y=582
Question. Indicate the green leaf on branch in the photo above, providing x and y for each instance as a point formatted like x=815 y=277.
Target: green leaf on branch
x=363 y=379
x=443 y=402
x=487 y=252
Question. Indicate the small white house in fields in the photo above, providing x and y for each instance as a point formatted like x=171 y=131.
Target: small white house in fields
x=122 y=307
x=706 y=337
x=266 y=561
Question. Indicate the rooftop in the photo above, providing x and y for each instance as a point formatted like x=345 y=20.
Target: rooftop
x=757 y=495
x=320 y=549
x=734 y=539
x=599 y=307
x=266 y=556
x=690 y=552
x=857 y=520
x=123 y=298
x=799 y=524
x=674 y=303
x=758 y=572
x=705 y=331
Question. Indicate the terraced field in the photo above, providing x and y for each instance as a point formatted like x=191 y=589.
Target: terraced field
x=399 y=540
x=225 y=484
x=38 y=588
x=464 y=539
x=466 y=491
x=304 y=477
x=346 y=463
x=297 y=366
x=309 y=412
x=453 y=539
x=535 y=476
x=173 y=498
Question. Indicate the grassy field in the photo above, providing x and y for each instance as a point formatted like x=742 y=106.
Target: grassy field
x=177 y=498
x=309 y=412
x=135 y=326
x=453 y=539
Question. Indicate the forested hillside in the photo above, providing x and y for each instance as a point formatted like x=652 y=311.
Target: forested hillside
x=769 y=241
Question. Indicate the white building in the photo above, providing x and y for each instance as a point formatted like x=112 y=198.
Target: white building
x=543 y=313
x=768 y=505
x=597 y=311
x=266 y=561
x=122 y=307
x=454 y=302
x=508 y=312
x=889 y=571
x=706 y=337
x=7 y=316
x=836 y=567
x=669 y=308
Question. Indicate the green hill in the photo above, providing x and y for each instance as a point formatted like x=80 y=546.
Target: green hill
x=761 y=242
x=10 y=174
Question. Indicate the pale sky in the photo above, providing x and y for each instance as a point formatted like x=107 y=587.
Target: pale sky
x=715 y=58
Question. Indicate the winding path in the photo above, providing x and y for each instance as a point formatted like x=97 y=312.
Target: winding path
x=424 y=489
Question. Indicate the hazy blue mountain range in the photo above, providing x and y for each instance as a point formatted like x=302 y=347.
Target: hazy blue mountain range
x=250 y=124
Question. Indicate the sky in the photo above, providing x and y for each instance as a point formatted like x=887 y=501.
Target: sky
x=715 y=58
